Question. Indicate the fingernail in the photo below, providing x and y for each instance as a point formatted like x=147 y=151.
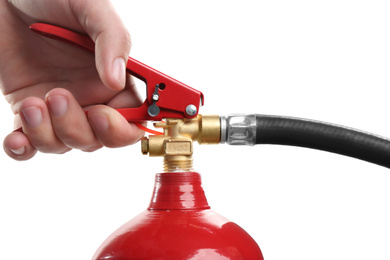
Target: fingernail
x=119 y=71
x=58 y=105
x=19 y=151
x=99 y=122
x=32 y=116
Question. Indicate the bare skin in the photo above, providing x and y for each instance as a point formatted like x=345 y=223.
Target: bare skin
x=49 y=84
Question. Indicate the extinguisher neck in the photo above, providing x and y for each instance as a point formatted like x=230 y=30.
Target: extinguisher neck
x=178 y=191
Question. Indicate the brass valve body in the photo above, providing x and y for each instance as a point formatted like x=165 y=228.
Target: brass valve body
x=176 y=145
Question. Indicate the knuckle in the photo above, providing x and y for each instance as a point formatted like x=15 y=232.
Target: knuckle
x=74 y=139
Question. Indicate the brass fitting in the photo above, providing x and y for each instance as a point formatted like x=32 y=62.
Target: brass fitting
x=176 y=145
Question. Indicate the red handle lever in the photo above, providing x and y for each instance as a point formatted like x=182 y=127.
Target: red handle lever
x=165 y=97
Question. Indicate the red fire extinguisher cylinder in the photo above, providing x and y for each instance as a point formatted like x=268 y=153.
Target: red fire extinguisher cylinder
x=179 y=224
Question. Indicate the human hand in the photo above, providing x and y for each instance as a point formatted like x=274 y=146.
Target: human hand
x=50 y=84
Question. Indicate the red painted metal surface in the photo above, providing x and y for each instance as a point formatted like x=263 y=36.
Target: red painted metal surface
x=179 y=225
x=174 y=96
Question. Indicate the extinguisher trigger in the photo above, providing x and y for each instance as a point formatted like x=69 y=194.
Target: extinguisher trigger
x=179 y=100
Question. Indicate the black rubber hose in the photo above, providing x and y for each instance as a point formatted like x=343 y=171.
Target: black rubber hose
x=323 y=136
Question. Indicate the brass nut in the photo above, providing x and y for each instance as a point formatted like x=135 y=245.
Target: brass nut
x=178 y=147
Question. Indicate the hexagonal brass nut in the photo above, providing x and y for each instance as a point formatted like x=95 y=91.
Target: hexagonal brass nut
x=178 y=147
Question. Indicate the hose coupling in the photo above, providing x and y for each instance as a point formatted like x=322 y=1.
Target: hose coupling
x=239 y=129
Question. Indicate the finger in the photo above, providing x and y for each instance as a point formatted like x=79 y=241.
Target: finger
x=69 y=121
x=37 y=126
x=17 y=146
x=112 y=40
x=111 y=128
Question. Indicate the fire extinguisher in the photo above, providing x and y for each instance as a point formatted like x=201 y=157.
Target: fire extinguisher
x=179 y=223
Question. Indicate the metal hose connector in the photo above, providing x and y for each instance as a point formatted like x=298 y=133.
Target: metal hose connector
x=239 y=129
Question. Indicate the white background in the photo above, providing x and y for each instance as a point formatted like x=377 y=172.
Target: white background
x=324 y=60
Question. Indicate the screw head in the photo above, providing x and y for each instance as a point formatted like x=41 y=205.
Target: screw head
x=191 y=110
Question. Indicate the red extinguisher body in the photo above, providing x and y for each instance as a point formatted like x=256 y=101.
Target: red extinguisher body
x=179 y=224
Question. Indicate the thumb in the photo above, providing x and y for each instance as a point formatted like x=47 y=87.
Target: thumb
x=112 y=41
